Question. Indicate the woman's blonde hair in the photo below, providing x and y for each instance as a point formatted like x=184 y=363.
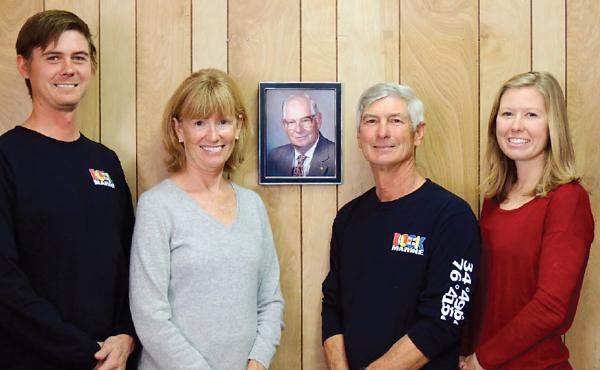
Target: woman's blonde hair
x=560 y=157
x=202 y=94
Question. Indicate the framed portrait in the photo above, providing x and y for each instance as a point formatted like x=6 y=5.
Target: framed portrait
x=299 y=133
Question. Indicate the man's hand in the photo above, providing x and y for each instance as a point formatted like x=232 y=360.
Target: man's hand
x=255 y=365
x=335 y=353
x=114 y=352
x=473 y=363
x=462 y=363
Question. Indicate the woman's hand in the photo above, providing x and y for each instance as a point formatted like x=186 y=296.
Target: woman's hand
x=255 y=365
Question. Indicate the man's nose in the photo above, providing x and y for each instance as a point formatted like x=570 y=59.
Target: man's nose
x=382 y=128
x=298 y=128
x=67 y=67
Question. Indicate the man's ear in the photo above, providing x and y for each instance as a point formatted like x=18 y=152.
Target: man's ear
x=419 y=133
x=318 y=120
x=23 y=66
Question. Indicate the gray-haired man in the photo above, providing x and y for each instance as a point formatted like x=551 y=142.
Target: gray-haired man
x=403 y=254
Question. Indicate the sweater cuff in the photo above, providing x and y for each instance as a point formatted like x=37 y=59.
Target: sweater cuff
x=262 y=352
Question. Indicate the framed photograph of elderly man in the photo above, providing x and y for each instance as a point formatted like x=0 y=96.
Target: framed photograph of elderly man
x=300 y=133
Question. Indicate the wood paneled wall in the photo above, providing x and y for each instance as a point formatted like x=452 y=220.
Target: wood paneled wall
x=454 y=53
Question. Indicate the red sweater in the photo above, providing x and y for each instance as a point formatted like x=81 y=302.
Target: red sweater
x=532 y=266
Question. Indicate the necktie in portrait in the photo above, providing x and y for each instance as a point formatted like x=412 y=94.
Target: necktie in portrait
x=299 y=168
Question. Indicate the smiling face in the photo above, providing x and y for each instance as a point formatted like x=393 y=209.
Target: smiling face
x=300 y=124
x=522 y=126
x=385 y=134
x=208 y=142
x=59 y=75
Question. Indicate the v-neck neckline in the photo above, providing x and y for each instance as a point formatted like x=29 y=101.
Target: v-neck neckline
x=228 y=227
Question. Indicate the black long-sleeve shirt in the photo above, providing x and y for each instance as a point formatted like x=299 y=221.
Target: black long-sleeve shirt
x=405 y=267
x=66 y=220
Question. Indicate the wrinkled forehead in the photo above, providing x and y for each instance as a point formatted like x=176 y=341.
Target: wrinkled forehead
x=387 y=106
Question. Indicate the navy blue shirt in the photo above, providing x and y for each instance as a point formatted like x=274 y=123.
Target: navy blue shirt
x=404 y=267
x=66 y=221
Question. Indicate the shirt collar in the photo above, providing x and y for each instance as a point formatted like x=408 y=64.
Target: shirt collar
x=309 y=153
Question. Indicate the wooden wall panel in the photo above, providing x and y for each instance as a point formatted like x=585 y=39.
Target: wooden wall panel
x=439 y=60
x=88 y=114
x=319 y=203
x=265 y=46
x=548 y=32
x=15 y=104
x=117 y=83
x=163 y=61
x=368 y=53
x=504 y=51
x=583 y=79
x=209 y=34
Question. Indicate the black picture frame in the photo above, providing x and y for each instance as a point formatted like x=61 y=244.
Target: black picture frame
x=276 y=151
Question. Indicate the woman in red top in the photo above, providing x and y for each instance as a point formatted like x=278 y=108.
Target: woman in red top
x=537 y=228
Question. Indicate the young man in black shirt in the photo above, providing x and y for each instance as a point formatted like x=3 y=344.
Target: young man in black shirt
x=65 y=216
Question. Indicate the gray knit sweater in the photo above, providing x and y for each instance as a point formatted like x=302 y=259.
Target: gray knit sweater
x=203 y=295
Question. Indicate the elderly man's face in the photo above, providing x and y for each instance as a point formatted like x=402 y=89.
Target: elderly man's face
x=386 y=136
x=302 y=127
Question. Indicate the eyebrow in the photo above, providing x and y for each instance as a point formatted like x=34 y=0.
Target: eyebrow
x=54 y=52
x=401 y=115
x=524 y=108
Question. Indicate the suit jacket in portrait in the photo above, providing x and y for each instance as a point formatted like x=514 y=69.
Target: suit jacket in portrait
x=280 y=160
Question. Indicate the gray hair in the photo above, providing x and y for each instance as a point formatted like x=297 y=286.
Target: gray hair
x=382 y=90
x=313 y=106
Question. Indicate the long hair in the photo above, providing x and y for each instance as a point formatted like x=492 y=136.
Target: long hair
x=560 y=157
x=202 y=94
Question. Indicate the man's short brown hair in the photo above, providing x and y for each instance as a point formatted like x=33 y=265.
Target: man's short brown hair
x=46 y=27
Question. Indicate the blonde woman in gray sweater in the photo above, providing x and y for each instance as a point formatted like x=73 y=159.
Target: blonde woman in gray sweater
x=204 y=273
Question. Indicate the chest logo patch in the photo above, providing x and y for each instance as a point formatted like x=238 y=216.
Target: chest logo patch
x=409 y=243
x=101 y=178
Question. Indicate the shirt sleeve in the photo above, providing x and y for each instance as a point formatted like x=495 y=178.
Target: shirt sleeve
x=447 y=295
x=331 y=313
x=24 y=315
x=270 y=300
x=567 y=235
x=124 y=323
x=149 y=283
